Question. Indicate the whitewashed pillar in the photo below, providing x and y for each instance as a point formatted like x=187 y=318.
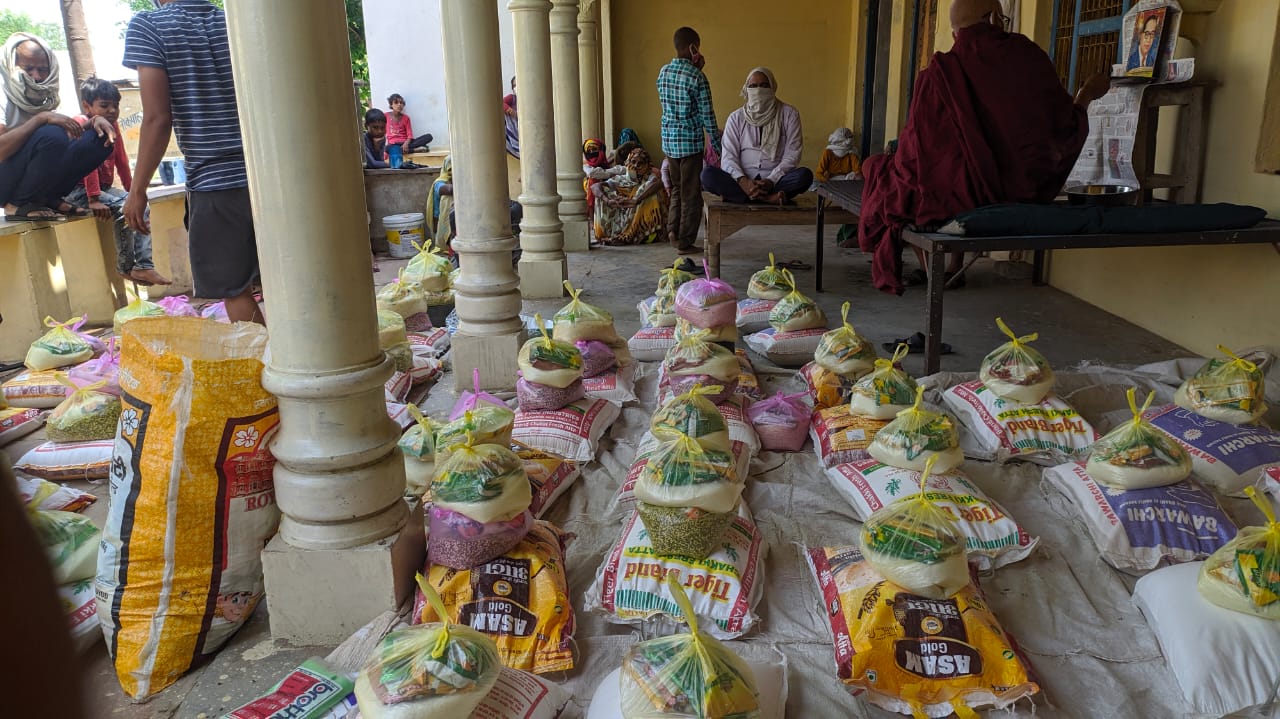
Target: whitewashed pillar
x=589 y=67
x=348 y=542
x=568 y=111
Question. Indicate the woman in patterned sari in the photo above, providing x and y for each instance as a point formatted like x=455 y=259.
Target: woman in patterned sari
x=631 y=209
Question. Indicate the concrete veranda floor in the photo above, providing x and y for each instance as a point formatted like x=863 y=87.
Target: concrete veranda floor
x=616 y=278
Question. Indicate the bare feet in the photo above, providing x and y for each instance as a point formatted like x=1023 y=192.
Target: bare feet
x=149 y=277
x=775 y=198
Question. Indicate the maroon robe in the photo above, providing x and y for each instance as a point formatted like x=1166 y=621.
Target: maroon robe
x=990 y=123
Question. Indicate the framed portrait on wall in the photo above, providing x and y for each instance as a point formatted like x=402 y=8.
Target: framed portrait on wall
x=1144 y=50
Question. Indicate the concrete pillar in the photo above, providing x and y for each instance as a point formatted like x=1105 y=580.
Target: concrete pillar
x=589 y=66
x=487 y=291
x=564 y=61
x=347 y=546
x=543 y=268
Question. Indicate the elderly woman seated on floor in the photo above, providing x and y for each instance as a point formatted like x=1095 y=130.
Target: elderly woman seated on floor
x=630 y=208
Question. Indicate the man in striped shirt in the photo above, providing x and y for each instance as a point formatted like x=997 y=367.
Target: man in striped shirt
x=687 y=119
x=183 y=60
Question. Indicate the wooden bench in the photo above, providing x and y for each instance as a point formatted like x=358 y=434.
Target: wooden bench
x=725 y=218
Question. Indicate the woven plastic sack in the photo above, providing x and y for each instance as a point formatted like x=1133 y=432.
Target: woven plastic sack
x=1137 y=455
x=402 y=297
x=475 y=398
x=771 y=283
x=884 y=392
x=178 y=306
x=1244 y=576
x=430 y=670
x=428 y=269
x=916 y=435
x=59 y=347
x=1228 y=390
x=579 y=320
x=826 y=388
x=460 y=542
x=86 y=414
x=554 y=363
x=32 y=389
x=418 y=446
x=534 y=397
x=70 y=542
x=681 y=473
x=485 y=482
x=696 y=354
x=597 y=357
x=18 y=422
x=192 y=492
x=694 y=414
x=915 y=544
x=781 y=421
x=104 y=368
x=796 y=311
x=844 y=351
x=687 y=676
x=1015 y=371
x=139 y=307
x=707 y=302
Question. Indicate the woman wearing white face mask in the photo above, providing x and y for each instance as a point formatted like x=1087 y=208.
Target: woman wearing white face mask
x=761 y=148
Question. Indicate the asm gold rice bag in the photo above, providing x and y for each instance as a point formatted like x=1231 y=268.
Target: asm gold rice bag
x=1016 y=371
x=916 y=435
x=1137 y=455
x=844 y=351
x=1228 y=390
x=771 y=283
x=1244 y=576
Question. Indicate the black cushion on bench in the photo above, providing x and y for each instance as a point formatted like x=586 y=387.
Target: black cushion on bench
x=1032 y=220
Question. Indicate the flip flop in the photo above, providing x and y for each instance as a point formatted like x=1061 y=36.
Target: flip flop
x=24 y=214
x=915 y=345
x=691 y=267
x=796 y=265
x=916 y=278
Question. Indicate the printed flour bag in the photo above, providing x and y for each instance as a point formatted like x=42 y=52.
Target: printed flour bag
x=1226 y=457
x=826 y=388
x=840 y=436
x=1016 y=371
x=631 y=588
x=1229 y=390
x=992 y=538
x=913 y=655
x=753 y=314
x=1050 y=431
x=192 y=497
x=1137 y=530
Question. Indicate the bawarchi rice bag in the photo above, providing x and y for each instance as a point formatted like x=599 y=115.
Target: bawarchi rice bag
x=428 y=269
x=139 y=307
x=770 y=283
x=795 y=311
x=911 y=654
x=486 y=482
x=681 y=473
x=844 y=351
x=692 y=413
x=1244 y=576
x=1228 y=390
x=401 y=297
x=418 y=446
x=915 y=436
x=1016 y=371
x=1224 y=457
x=59 y=347
x=554 y=363
x=486 y=424
x=687 y=676
x=1137 y=455
x=916 y=544
x=428 y=671
x=85 y=415
x=885 y=391
x=707 y=302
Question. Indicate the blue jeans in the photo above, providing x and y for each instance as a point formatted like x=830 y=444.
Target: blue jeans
x=48 y=166
x=133 y=249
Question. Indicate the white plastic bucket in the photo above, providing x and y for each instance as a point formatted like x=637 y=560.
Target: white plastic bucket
x=402 y=232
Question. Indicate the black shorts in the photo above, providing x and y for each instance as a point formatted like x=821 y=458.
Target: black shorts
x=223 y=248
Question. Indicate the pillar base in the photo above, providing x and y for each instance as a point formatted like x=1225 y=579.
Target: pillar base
x=319 y=597
x=494 y=355
x=543 y=279
x=577 y=235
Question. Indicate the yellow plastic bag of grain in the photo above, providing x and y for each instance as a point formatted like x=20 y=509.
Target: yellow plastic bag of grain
x=770 y=283
x=393 y=340
x=682 y=473
x=1138 y=455
x=581 y=321
x=1015 y=371
x=844 y=351
x=520 y=600
x=192 y=497
x=59 y=347
x=70 y=542
x=428 y=671
x=551 y=362
x=402 y=297
x=885 y=391
x=1228 y=390
x=1244 y=575
x=693 y=414
x=139 y=307
x=418 y=445
x=485 y=482
x=482 y=424
x=670 y=279
x=795 y=311
x=85 y=415
x=428 y=269
x=687 y=676
x=914 y=436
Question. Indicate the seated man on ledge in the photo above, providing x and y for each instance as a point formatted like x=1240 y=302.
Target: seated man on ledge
x=990 y=123
x=760 y=148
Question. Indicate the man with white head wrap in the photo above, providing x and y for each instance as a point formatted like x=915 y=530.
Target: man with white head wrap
x=762 y=143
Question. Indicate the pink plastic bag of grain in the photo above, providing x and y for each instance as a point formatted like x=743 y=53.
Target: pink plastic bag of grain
x=707 y=302
x=178 y=306
x=597 y=358
x=103 y=368
x=782 y=421
x=469 y=400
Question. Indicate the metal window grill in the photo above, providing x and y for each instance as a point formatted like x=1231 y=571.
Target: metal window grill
x=1086 y=37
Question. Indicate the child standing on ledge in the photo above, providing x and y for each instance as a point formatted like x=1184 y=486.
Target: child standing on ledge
x=400 y=128
x=99 y=98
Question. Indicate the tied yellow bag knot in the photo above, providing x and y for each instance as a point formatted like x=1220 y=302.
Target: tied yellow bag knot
x=670 y=279
x=795 y=311
x=771 y=283
x=693 y=413
x=1244 y=575
x=1136 y=454
x=844 y=351
x=428 y=269
x=1015 y=371
x=140 y=306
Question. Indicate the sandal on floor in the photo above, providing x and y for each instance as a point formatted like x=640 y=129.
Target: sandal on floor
x=916 y=278
x=796 y=265
x=691 y=267
x=915 y=345
x=24 y=214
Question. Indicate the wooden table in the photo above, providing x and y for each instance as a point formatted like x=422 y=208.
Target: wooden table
x=846 y=194
x=725 y=218
x=937 y=245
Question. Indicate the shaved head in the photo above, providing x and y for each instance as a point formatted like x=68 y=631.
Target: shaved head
x=971 y=12
x=33 y=60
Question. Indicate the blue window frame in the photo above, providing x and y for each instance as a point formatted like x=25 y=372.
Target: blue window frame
x=1086 y=37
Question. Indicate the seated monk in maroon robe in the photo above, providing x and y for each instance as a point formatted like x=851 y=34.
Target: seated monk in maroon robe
x=989 y=124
